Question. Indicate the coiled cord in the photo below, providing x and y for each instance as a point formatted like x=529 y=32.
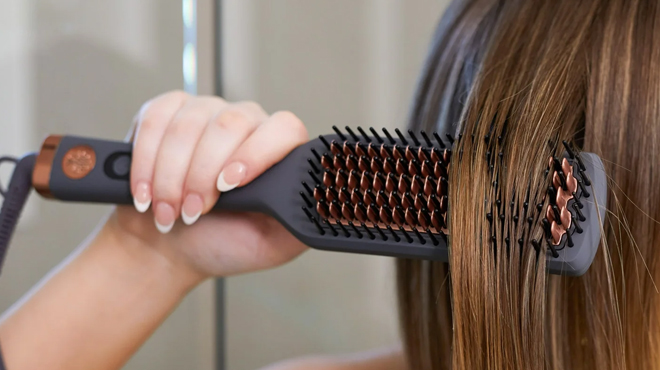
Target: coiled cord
x=15 y=196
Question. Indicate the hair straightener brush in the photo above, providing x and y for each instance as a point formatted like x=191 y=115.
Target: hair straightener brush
x=342 y=192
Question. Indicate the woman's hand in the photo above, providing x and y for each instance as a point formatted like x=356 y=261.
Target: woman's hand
x=187 y=151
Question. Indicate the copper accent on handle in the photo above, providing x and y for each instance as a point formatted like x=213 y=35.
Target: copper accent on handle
x=78 y=162
x=44 y=165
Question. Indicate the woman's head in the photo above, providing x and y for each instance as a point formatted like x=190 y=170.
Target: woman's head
x=528 y=75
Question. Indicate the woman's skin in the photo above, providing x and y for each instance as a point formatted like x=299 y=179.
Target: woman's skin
x=105 y=300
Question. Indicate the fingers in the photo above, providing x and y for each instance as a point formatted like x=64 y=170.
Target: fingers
x=153 y=118
x=269 y=144
x=223 y=135
x=189 y=149
x=175 y=153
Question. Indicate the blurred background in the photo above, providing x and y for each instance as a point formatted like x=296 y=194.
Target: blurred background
x=83 y=67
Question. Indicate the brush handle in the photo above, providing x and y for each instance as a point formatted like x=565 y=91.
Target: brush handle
x=78 y=169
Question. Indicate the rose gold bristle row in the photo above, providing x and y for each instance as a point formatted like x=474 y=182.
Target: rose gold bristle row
x=383 y=183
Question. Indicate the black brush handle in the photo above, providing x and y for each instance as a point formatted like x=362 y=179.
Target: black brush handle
x=98 y=171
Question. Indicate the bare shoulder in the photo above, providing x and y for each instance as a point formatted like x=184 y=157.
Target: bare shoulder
x=383 y=359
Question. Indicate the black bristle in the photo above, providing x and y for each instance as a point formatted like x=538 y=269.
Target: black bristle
x=344 y=191
x=309 y=204
x=426 y=138
x=352 y=225
x=578 y=229
x=350 y=148
x=390 y=155
x=450 y=138
x=569 y=150
x=389 y=137
x=417 y=166
x=334 y=231
x=350 y=132
x=584 y=193
x=371 y=235
x=378 y=138
x=536 y=245
x=555 y=211
x=546 y=227
x=401 y=137
x=580 y=163
x=309 y=190
x=489 y=217
x=569 y=240
x=318 y=225
x=314 y=167
x=343 y=228
x=435 y=201
x=408 y=238
x=364 y=134
x=334 y=194
x=382 y=234
x=419 y=236
x=339 y=133
x=396 y=237
x=324 y=141
x=585 y=178
x=434 y=240
x=336 y=147
x=579 y=214
x=557 y=164
x=316 y=155
x=553 y=250
x=400 y=152
x=316 y=179
x=309 y=214
x=414 y=138
x=552 y=194
x=426 y=215
x=328 y=159
x=577 y=201
x=439 y=140
x=562 y=180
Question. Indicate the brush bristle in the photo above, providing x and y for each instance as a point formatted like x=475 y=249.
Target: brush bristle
x=397 y=189
x=368 y=186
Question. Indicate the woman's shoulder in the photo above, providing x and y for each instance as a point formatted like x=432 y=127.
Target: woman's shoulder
x=382 y=359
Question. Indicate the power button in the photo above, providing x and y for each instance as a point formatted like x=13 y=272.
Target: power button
x=118 y=166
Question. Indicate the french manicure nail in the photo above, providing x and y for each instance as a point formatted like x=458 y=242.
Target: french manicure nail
x=164 y=217
x=142 y=197
x=231 y=176
x=191 y=209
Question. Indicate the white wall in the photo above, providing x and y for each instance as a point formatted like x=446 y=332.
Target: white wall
x=85 y=67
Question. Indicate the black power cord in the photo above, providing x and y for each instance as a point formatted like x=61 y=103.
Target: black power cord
x=15 y=196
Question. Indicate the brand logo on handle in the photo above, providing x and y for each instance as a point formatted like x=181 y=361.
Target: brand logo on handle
x=78 y=162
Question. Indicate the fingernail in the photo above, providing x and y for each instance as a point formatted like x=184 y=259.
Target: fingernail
x=164 y=217
x=231 y=176
x=142 y=197
x=191 y=209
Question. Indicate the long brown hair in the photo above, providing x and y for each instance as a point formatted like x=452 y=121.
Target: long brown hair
x=516 y=78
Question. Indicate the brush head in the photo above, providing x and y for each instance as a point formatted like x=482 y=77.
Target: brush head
x=387 y=194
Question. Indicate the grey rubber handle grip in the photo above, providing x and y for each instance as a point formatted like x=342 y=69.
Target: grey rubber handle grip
x=108 y=181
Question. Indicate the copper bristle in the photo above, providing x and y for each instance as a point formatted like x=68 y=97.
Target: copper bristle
x=367 y=185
